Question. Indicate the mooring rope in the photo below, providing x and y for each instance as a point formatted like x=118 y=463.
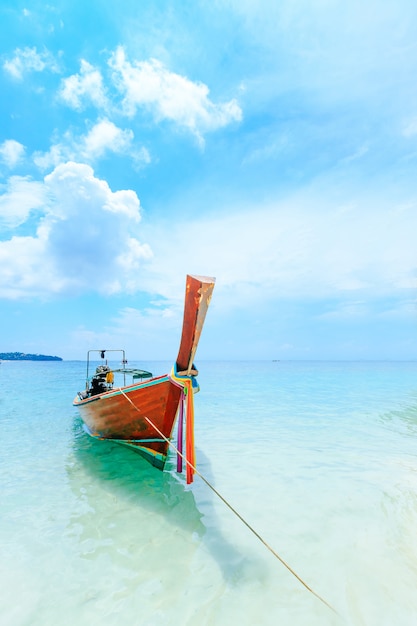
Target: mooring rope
x=257 y=535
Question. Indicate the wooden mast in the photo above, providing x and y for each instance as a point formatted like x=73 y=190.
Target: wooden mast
x=197 y=299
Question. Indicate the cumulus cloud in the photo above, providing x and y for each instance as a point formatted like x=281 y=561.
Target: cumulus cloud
x=18 y=199
x=11 y=152
x=101 y=139
x=27 y=60
x=148 y=85
x=151 y=86
x=86 y=239
x=169 y=96
x=105 y=135
x=86 y=87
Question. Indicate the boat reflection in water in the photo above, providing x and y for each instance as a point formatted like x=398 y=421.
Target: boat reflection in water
x=146 y=522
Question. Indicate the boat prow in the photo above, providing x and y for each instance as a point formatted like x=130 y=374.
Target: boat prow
x=197 y=300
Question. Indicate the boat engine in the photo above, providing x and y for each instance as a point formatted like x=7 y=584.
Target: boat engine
x=99 y=380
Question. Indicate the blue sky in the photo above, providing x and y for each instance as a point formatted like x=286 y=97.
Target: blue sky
x=272 y=145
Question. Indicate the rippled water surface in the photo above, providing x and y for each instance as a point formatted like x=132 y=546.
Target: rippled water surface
x=320 y=458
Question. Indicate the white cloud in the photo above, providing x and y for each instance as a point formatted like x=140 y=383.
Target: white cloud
x=106 y=136
x=23 y=270
x=411 y=128
x=11 y=152
x=86 y=240
x=102 y=139
x=347 y=310
x=270 y=149
x=85 y=87
x=58 y=153
x=304 y=247
x=20 y=197
x=151 y=333
x=358 y=154
x=169 y=96
x=150 y=85
x=30 y=60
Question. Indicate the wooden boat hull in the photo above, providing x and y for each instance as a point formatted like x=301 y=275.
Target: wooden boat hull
x=122 y=415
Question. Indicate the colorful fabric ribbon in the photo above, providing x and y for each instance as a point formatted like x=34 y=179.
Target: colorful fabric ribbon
x=187 y=401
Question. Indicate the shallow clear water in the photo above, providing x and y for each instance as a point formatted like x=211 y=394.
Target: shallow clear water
x=320 y=458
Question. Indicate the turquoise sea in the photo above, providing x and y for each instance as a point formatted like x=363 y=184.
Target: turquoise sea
x=320 y=458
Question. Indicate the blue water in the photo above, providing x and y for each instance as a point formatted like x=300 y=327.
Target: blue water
x=320 y=458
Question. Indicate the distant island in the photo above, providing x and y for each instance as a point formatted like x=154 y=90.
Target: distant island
x=20 y=356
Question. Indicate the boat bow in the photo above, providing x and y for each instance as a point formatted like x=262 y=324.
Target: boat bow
x=198 y=291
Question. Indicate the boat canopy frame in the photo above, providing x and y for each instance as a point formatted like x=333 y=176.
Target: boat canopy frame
x=134 y=372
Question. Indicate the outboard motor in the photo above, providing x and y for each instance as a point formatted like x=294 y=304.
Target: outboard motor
x=98 y=382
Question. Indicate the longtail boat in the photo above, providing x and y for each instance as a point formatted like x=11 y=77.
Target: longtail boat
x=142 y=414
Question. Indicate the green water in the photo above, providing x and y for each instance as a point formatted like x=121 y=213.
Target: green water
x=320 y=458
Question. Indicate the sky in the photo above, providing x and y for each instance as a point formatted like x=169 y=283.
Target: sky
x=270 y=145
